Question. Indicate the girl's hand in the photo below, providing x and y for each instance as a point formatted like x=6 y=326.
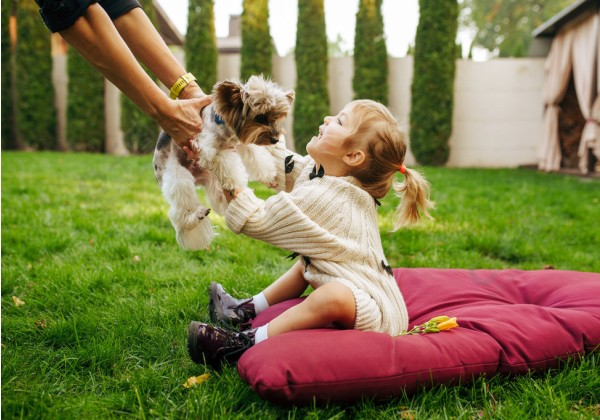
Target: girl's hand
x=230 y=195
x=192 y=152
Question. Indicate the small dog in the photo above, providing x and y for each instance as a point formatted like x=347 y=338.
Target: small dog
x=241 y=119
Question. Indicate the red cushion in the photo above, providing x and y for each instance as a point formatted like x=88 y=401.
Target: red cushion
x=511 y=321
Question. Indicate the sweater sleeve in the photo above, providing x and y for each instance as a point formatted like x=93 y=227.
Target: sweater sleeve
x=289 y=165
x=281 y=222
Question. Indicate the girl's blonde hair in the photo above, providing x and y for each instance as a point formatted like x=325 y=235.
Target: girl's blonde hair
x=384 y=143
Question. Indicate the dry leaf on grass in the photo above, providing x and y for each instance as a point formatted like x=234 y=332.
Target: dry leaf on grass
x=17 y=301
x=196 y=380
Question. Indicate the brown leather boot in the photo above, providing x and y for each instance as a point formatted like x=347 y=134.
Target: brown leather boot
x=213 y=345
x=223 y=308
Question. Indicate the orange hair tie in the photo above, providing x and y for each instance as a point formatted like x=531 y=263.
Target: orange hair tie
x=402 y=169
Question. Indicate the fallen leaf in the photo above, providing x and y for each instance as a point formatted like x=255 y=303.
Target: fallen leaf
x=408 y=415
x=42 y=324
x=18 y=302
x=196 y=380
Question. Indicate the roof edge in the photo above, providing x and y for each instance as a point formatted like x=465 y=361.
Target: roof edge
x=568 y=14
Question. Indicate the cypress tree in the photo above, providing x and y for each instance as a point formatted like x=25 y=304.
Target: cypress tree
x=370 y=53
x=256 y=39
x=8 y=140
x=433 y=81
x=35 y=113
x=139 y=130
x=312 y=97
x=85 y=107
x=201 y=43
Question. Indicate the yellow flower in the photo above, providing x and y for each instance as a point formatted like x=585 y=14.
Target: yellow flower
x=446 y=325
x=439 y=319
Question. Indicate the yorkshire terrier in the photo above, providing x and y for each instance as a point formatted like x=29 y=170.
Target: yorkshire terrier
x=240 y=119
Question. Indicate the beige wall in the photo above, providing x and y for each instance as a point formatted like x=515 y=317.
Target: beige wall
x=497 y=106
x=497 y=113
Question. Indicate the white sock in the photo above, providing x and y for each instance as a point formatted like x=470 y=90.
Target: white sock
x=261 y=334
x=260 y=303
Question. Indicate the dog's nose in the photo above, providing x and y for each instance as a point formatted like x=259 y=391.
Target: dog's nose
x=274 y=140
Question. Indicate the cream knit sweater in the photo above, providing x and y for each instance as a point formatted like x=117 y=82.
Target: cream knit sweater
x=332 y=223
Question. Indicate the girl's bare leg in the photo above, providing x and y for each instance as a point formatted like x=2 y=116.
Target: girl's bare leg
x=290 y=285
x=331 y=303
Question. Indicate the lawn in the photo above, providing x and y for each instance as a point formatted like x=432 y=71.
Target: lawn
x=87 y=246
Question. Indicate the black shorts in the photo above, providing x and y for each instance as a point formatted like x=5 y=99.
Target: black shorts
x=61 y=14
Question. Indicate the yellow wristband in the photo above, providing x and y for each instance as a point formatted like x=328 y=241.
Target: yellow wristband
x=182 y=82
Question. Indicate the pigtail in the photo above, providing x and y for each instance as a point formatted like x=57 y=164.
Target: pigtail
x=414 y=196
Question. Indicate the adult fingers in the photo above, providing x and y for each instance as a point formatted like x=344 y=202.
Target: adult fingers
x=203 y=102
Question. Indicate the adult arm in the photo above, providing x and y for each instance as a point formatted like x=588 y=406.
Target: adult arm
x=97 y=40
x=148 y=47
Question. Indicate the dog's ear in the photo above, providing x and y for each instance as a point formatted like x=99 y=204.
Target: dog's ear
x=227 y=95
x=290 y=95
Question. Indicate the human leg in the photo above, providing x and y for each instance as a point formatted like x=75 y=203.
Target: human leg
x=289 y=286
x=225 y=308
x=330 y=303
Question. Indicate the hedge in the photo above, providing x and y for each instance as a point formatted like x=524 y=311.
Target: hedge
x=201 y=43
x=312 y=97
x=139 y=130
x=370 y=53
x=85 y=107
x=35 y=113
x=433 y=81
x=257 y=50
x=8 y=140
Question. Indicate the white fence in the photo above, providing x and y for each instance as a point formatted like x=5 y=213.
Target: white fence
x=497 y=104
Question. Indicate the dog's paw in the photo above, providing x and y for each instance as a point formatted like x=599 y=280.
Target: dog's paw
x=273 y=185
x=201 y=213
x=198 y=237
x=233 y=185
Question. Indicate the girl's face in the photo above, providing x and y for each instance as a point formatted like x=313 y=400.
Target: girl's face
x=329 y=147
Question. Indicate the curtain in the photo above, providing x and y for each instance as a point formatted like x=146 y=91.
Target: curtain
x=585 y=40
x=557 y=70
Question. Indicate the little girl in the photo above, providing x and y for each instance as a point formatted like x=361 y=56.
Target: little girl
x=326 y=215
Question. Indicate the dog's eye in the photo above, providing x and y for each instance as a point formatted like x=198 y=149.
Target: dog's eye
x=261 y=119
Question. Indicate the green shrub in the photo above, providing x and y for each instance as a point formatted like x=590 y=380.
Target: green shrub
x=201 y=43
x=85 y=108
x=433 y=81
x=257 y=50
x=312 y=98
x=139 y=130
x=370 y=53
x=35 y=113
x=8 y=140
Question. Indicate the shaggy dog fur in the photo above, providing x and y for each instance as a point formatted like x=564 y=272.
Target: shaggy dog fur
x=241 y=118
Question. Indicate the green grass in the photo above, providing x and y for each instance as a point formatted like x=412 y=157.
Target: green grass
x=87 y=245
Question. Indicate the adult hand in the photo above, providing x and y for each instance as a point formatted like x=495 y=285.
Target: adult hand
x=181 y=119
